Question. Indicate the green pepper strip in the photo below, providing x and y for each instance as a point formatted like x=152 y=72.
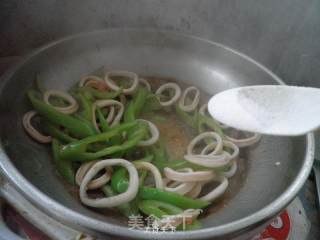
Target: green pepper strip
x=183 y=202
x=119 y=182
x=161 y=161
x=160 y=156
x=64 y=167
x=76 y=151
x=142 y=178
x=192 y=121
x=88 y=91
x=144 y=173
x=161 y=209
x=86 y=106
x=152 y=103
x=135 y=106
x=127 y=209
x=158 y=209
x=55 y=132
x=103 y=122
x=129 y=114
x=119 y=179
x=210 y=122
x=75 y=126
x=198 y=120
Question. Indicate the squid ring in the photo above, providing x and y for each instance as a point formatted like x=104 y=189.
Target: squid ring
x=181 y=188
x=71 y=108
x=93 y=81
x=245 y=142
x=145 y=83
x=154 y=134
x=95 y=183
x=193 y=105
x=154 y=170
x=34 y=133
x=218 y=191
x=120 y=73
x=195 y=191
x=175 y=97
x=205 y=135
x=111 y=119
x=188 y=175
x=113 y=201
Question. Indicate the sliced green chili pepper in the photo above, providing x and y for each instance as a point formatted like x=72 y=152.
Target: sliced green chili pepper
x=160 y=156
x=135 y=106
x=142 y=177
x=103 y=122
x=186 y=117
x=158 y=209
x=55 y=132
x=161 y=160
x=77 y=151
x=161 y=209
x=139 y=100
x=210 y=122
x=183 y=202
x=147 y=158
x=119 y=180
x=64 y=167
x=127 y=209
x=198 y=120
x=129 y=114
x=179 y=164
x=144 y=173
x=86 y=106
x=152 y=103
x=119 y=183
x=76 y=127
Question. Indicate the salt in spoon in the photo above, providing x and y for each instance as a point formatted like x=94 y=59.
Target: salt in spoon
x=268 y=109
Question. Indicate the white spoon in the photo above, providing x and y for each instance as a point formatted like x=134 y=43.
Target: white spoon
x=268 y=109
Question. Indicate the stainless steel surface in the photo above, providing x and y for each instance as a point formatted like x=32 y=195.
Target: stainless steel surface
x=316 y=170
x=283 y=35
x=52 y=228
x=267 y=187
x=6 y=232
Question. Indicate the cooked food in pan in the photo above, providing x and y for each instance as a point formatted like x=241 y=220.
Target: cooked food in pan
x=139 y=145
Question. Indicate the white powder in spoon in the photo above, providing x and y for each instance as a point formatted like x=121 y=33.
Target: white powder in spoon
x=277 y=110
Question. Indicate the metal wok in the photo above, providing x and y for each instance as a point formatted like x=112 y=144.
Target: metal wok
x=261 y=189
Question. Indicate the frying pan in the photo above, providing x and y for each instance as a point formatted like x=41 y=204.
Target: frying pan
x=270 y=175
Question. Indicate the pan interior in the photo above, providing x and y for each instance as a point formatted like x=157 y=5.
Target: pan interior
x=266 y=170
